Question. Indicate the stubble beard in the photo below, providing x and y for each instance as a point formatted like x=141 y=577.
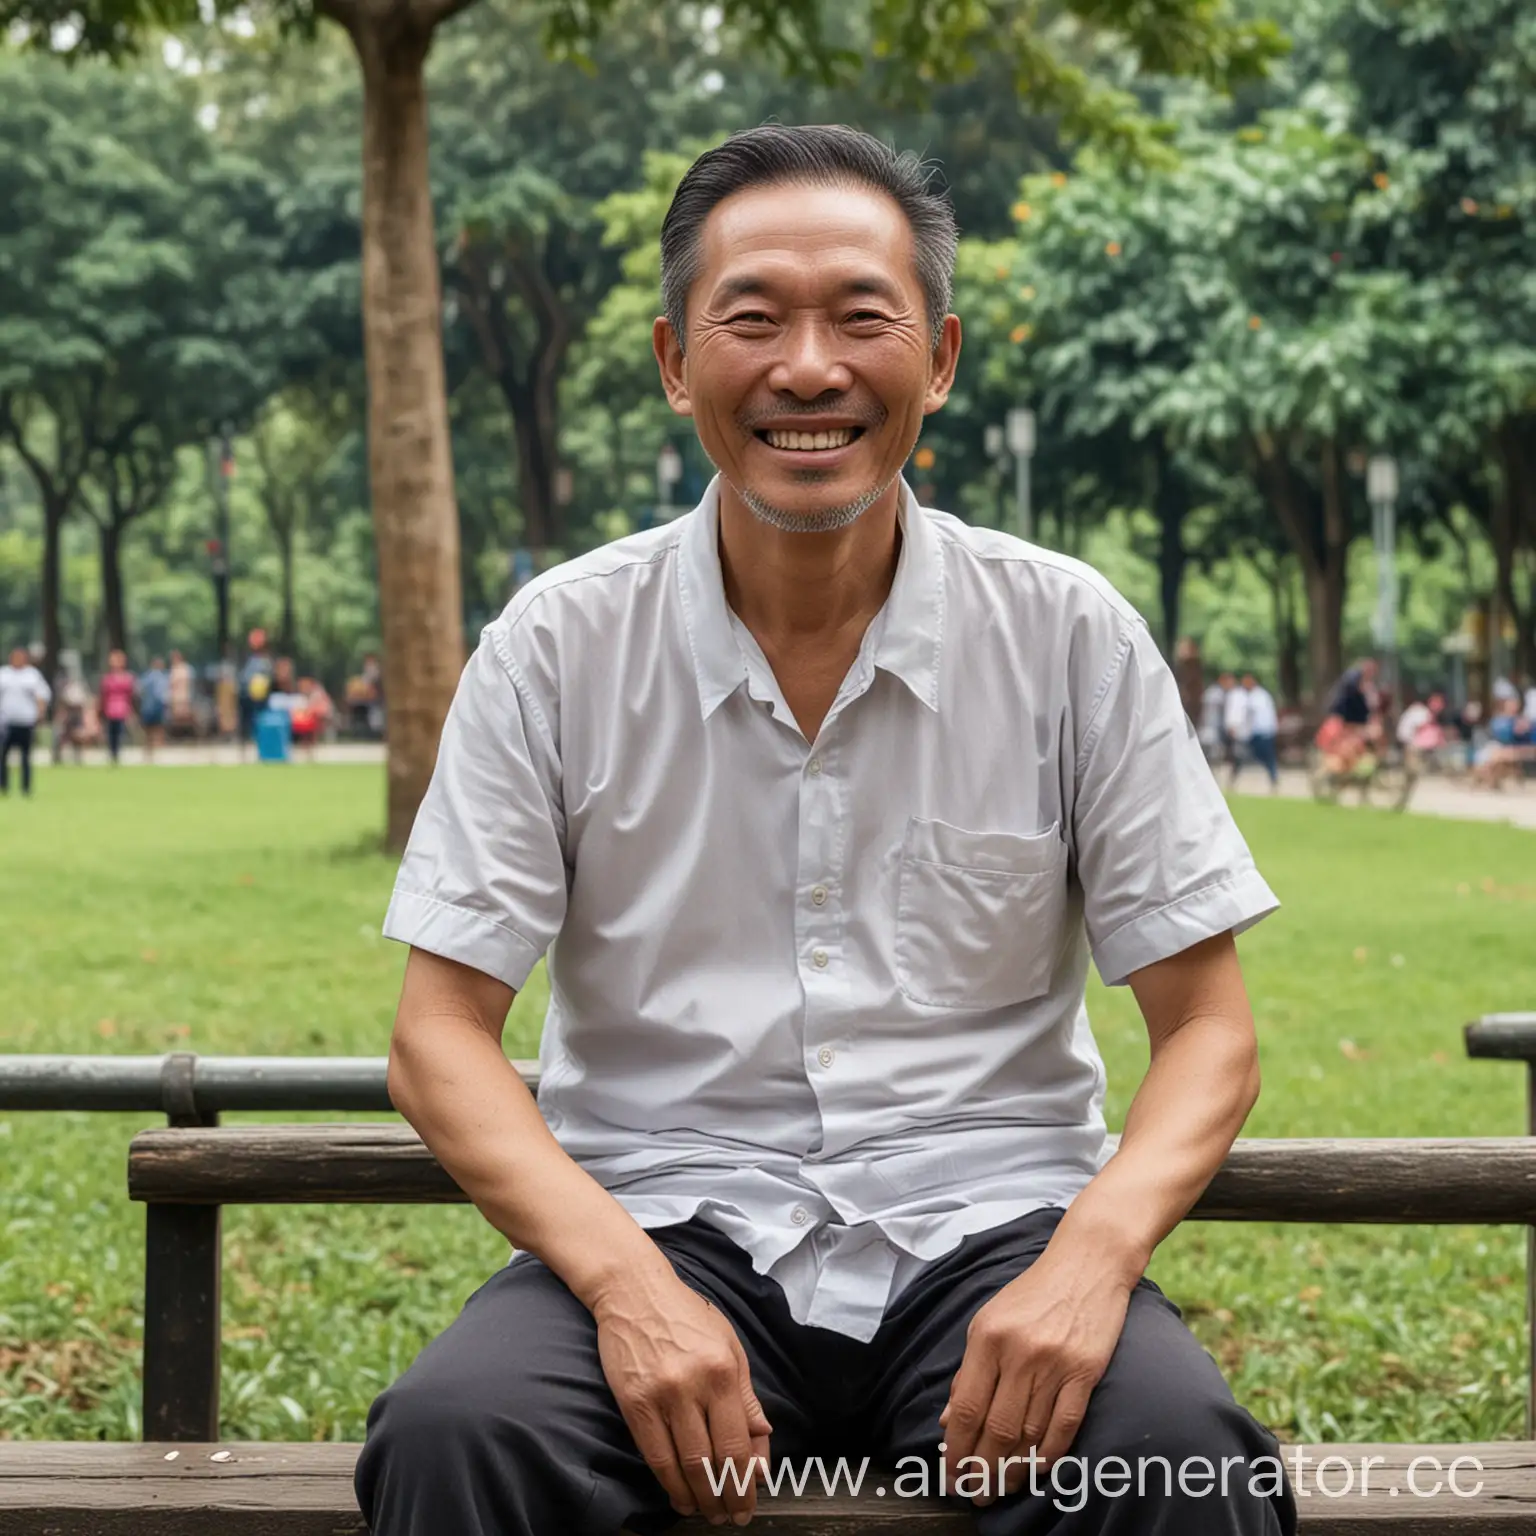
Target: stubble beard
x=824 y=520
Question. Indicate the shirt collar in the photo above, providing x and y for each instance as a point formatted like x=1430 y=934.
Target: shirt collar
x=911 y=622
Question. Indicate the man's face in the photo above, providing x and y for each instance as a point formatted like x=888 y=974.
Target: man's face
x=18 y=658
x=1249 y=681
x=809 y=364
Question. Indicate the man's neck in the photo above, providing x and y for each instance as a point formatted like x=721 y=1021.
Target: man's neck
x=797 y=588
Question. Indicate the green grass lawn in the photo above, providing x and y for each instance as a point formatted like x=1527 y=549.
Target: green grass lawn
x=237 y=910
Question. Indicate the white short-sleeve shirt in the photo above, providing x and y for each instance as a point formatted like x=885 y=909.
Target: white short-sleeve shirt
x=825 y=995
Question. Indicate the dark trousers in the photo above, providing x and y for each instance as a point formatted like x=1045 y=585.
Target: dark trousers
x=505 y=1425
x=1263 y=749
x=19 y=737
x=116 y=730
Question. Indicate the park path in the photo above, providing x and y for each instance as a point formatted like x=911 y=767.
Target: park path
x=1432 y=797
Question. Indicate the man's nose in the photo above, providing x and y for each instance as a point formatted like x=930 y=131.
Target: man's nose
x=810 y=362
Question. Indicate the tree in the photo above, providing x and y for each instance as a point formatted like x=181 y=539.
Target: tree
x=120 y=332
x=410 y=462
x=1446 y=89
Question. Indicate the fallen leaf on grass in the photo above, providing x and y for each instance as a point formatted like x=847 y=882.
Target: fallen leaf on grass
x=1439 y=1058
x=1362 y=953
x=106 y=1028
x=1309 y=1293
x=149 y=956
x=1352 y=1052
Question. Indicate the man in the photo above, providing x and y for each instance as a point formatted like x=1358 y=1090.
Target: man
x=24 y=694
x=821 y=800
x=1236 y=726
x=1263 y=722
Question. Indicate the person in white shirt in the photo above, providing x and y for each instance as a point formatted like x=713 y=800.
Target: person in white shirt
x=1235 y=726
x=1262 y=721
x=24 y=694
x=820 y=803
x=1213 y=712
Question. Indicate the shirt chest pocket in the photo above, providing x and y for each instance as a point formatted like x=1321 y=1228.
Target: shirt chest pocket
x=978 y=915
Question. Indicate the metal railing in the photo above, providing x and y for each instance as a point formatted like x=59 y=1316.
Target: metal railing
x=195 y=1090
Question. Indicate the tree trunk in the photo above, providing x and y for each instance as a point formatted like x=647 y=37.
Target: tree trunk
x=286 y=638
x=53 y=581
x=410 y=466
x=1513 y=532
x=1317 y=529
x=114 y=617
x=1171 y=507
x=535 y=413
x=1287 y=640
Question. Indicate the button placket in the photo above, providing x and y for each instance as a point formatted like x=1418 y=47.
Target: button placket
x=818 y=914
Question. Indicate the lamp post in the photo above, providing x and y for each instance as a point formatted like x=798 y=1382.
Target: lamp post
x=1381 y=487
x=1021 y=444
x=218 y=546
x=669 y=470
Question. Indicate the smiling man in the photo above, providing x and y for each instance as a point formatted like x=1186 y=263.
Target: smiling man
x=820 y=803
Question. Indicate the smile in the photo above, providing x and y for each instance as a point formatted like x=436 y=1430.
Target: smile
x=811 y=442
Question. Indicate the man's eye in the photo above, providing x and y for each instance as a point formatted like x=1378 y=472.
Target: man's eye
x=862 y=316
x=750 y=316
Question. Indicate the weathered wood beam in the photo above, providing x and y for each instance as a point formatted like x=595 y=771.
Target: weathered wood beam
x=98 y=1489
x=1486 y=1181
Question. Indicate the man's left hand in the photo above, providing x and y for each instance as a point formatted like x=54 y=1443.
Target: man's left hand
x=1033 y=1355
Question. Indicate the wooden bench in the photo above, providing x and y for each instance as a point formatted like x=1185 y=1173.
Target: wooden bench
x=186 y=1175
x=306 y=1490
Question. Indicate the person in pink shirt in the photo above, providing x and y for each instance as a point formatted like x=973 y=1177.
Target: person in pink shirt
x=117 y=690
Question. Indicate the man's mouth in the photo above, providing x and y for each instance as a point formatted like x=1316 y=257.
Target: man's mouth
x=811 y=442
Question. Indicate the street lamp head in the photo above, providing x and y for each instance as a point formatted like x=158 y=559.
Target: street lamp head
x=1381 y=478
x=993 y=440
x=669 y=465
x=1021 y=431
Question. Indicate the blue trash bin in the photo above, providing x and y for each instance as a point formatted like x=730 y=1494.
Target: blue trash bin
x=274 y=736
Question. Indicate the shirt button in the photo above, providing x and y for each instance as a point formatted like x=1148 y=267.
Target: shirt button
x=819 y=895
x=826 y=1055
x=799 y=1215
x=815 y=767
x=819 y=959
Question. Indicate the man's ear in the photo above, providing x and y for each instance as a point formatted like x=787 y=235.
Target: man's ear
x=669 y=358
x=946 y=356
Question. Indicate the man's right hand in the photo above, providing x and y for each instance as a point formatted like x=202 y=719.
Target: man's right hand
x=683 y=1384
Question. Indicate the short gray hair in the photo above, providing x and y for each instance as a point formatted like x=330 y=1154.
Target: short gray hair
x=830 y=155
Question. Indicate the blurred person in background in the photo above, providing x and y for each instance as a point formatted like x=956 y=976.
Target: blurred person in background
x=1235 y=725
x=116 y=694
x=1213 y=704
x=311 y=714
x=24 y=696
x=255 y=684
x=1263 y=730
x=154 y=700
x=181 y=690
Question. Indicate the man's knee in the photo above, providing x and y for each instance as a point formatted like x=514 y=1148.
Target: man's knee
x=439 y=1455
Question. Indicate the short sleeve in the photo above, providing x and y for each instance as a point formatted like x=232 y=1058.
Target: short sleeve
x=1160 y=859
x=483 y=879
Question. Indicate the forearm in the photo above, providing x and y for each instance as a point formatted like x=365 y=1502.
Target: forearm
x=452 y=1082
x=1198 y=1091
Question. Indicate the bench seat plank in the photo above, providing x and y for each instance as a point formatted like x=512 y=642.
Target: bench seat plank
x=96 y=1489
x=1489 y=1180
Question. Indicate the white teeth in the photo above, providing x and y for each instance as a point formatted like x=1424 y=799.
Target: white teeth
x=808 y=442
